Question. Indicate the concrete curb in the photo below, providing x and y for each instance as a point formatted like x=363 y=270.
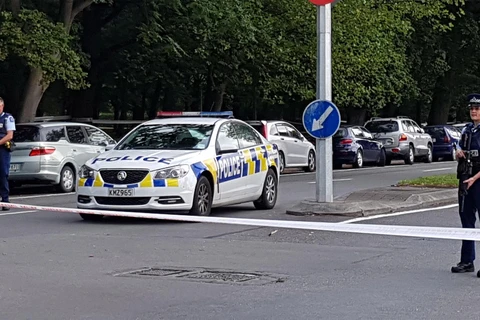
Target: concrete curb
x=392 y=200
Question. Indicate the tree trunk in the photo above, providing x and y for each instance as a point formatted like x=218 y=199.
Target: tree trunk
x=32 y=95
x=15 y=6
x=441 y=103
x=219 y=97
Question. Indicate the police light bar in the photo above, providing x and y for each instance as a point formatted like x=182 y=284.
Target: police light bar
x=219 y=114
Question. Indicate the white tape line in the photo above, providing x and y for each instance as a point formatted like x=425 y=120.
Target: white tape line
x=388 y=230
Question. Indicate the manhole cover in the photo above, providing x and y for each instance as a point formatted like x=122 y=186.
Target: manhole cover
x=158 y=272
x=222 y=276
x=205 y=275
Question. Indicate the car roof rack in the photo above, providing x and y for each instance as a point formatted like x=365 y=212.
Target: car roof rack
x=201 y=114
x=402 y=117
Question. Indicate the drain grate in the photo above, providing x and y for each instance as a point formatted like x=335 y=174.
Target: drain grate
x=205 y=275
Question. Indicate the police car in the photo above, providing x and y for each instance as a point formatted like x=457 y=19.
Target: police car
x=182 y=163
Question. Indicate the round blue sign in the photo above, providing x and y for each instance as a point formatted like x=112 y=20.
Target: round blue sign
x=321 y=119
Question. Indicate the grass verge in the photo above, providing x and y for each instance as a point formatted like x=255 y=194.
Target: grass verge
x=438 y=181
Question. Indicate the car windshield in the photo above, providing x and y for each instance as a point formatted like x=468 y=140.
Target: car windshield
x=342 y=132
x=168 y=137
x=32 y=133
x=382 y=126
x=435 y=132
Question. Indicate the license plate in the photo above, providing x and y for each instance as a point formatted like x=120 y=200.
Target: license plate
x=120 y=192
x=14 y=166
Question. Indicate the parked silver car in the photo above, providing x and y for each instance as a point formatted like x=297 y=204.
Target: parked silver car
x=53 y=152
x=295 y=150
x=402 y=138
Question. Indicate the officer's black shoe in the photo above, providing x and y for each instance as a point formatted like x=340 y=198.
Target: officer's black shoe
x=5 y=208
x=463 y=267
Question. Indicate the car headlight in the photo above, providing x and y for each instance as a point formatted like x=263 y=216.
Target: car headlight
x=86 y=172
x=173 y=172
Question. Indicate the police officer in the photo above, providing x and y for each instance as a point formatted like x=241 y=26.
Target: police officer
x=471 y=201
x=7 y=126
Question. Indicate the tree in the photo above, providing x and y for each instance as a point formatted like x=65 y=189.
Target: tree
x=46 y=45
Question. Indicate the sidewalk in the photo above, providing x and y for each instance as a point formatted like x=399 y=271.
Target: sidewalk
x=378 y=201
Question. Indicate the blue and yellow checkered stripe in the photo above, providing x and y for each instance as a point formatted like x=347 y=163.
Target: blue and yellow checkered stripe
x=147 y=182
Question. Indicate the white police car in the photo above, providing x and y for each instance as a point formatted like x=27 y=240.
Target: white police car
x=188 y=164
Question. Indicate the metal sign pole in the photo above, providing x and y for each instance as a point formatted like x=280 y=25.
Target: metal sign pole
x=324 y=174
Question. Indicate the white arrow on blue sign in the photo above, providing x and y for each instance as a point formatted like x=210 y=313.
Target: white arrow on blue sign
x=321 y=119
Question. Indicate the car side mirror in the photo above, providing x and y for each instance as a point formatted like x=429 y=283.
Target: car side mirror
x=110 y=146
x=420 y=131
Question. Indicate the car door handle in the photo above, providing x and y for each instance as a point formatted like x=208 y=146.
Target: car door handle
x=74 y=150
x=282 y=138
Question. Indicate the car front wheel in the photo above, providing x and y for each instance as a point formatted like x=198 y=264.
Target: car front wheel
x=269 y=193
x=202 y=198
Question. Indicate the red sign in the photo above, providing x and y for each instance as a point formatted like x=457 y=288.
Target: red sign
x=321 y=2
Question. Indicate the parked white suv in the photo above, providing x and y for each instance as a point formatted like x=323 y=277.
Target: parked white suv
x=295 y=150
x=53 y=152
x=402 y=138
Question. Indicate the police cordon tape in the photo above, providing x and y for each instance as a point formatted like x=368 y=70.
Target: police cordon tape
x=388 y=230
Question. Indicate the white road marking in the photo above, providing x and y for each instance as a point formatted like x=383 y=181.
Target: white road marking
x=17 y=212
x=334 y=180
x=439 y=169
x=398 y=213
x=42 y=195
x=367 y=168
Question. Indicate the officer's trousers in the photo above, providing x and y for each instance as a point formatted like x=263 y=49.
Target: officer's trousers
x=4 y=171
x=468 y=217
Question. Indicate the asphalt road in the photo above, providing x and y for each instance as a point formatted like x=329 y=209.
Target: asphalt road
x=57 y=266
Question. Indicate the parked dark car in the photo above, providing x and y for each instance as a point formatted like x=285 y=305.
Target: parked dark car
x=355 y=145
x=444 y=138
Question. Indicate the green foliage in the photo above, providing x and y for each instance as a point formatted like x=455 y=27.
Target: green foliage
x=42 y=44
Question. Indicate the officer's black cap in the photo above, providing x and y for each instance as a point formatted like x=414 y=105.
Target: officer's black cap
x=473 y=99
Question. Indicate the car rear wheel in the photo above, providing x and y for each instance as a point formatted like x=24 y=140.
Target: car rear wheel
x=202 y=199
x=429 y=157
x=67 y=180
x=382 y=159
x=358 y=159
x=269 y=194
x=282 y=162
x=311 y=162
x=410 y=157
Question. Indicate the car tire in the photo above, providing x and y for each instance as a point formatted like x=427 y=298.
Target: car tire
x=67 y=180
x=268 y=199
x=382 y=159
x=91 y=217
x=202 y=198
x=311 y=162
x=410 y=156
x=358 y=163
x=281 y=162
x=429 y=156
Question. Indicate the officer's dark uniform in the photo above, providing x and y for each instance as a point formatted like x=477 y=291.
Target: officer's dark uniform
x=472 y=199
x=7 y=122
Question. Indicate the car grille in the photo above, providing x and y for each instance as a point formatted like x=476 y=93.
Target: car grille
x=133 y=176
x=117 y=201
